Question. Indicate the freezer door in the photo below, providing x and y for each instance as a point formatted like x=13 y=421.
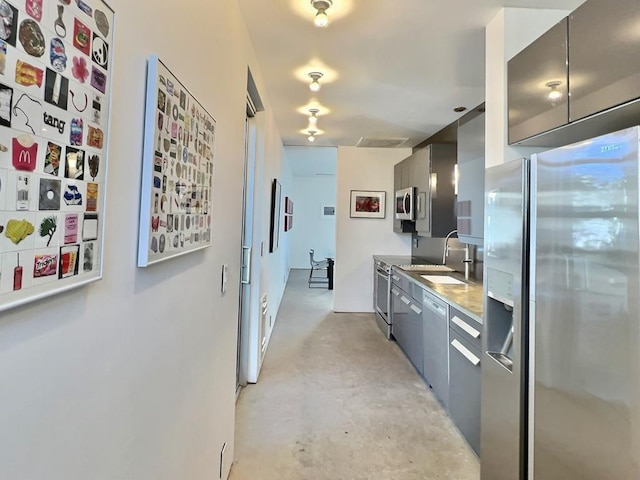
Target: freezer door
x=586 y=393
x=503 y=430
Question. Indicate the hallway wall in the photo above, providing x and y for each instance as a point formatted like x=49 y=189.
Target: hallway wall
x=309 y=229
x=133 y=377
x=358 y=239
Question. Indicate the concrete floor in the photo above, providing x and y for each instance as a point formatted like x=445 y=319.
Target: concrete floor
x=337 y=401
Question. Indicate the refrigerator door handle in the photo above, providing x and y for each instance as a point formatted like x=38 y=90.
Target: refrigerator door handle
x=465 y=352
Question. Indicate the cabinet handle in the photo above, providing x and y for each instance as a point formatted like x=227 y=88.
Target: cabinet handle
x=466 y=327
x=405 y=300
x=395 y=292
x=396 y=278
x=465 y=352
x=416 y=309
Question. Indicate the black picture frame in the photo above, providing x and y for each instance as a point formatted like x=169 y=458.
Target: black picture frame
x=276 y=193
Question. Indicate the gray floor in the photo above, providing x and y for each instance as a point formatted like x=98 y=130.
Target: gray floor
x=337 y=401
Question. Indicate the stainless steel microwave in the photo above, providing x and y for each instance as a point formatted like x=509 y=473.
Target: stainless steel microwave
x=405 y=204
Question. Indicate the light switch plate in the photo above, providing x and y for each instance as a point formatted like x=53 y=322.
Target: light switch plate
x=225 y=277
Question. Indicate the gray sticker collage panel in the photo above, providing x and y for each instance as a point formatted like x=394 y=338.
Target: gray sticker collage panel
x=55 y=63
x=177 y=170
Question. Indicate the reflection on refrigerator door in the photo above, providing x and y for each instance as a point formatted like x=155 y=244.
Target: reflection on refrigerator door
x=586 y=397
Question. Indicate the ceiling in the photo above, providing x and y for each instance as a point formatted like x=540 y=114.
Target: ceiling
x=393 y=69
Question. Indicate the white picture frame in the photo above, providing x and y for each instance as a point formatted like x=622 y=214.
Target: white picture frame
x=177 y=172
x=368 y=204
x=54 y=142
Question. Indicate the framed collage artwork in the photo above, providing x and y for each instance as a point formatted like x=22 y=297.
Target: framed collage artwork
x=177 y=171
x=55 y=81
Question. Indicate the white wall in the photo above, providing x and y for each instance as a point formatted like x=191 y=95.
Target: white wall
x=309 y=229
x=358 y=239
x=133 y=377
x=507 y=34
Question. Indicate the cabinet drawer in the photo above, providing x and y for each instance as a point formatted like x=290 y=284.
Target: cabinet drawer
x=464 y=388
x=417 y=292
x=399 y=280
x=467 y=327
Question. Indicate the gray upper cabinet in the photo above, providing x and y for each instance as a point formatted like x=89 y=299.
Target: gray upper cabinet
x=441 y=200
x=538 y=85
x=470 y=211
x=397 y=185
x=431 y=171
x=420 y=168
x=604 y=53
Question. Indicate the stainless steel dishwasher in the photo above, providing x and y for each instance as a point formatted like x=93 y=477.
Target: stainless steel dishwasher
x=436 y=341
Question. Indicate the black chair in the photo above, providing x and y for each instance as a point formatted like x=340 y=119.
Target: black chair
x=318 y=274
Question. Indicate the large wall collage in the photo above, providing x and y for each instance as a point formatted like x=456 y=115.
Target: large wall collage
x=54 y=100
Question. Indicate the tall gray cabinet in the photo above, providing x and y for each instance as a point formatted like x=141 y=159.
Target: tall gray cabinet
x=431 y=171
x=471 y=130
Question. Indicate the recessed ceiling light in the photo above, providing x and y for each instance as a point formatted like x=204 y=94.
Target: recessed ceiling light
x=459 y=109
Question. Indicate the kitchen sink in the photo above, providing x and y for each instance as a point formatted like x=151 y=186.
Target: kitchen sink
x=442 y=279
x=426 y=268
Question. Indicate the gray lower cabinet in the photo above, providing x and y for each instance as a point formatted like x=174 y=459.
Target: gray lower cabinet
x=436 y=355
x=406 y=325
x=464 y=388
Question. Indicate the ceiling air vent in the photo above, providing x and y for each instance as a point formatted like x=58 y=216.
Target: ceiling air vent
x=365 y=142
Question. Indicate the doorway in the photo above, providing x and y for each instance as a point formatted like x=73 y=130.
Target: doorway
x=246 y=283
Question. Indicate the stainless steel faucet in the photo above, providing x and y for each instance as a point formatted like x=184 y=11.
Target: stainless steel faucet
x=467 y=255
x=445 y=253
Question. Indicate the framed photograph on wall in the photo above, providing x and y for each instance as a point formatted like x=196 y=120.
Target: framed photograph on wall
x=276 y=200
x=367 y=204
x=55 y=99
x=177 y=170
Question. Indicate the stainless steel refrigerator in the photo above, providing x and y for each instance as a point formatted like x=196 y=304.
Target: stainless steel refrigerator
x=561 y=370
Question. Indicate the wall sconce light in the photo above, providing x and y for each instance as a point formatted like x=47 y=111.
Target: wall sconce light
x=314 y=86
x=322 y=19
x=313 y=119
x=555 y=94
x=312 y=136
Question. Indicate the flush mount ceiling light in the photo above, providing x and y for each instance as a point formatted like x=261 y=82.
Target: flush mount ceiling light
x=312 y=136
x=321 y=20
x=314 y=86
x=313 y=119
x=555 y=94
